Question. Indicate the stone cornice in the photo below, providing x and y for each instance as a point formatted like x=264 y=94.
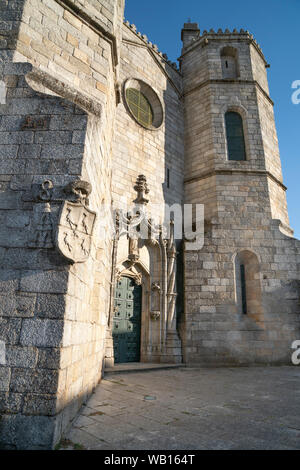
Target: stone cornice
x=232 y=171
x=60 y=88
x=229 y=82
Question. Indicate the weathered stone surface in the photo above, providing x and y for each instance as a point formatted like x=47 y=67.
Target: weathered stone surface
x=10 y=402
x=10 y=329
x=43 y=333
x=40 y=381
x=18 y=220
x=39 y=405
x=49 y=358
x=9 y=280
x=26 y=432
x=20 y=305
x=50 y=306
x=44 y=282
x=4 y=378
x=17 y=356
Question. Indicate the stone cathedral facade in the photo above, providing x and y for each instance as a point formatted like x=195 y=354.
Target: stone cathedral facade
x=93 y=115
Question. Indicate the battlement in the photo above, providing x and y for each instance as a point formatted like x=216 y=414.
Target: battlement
x=191 y=36
x=154 y=47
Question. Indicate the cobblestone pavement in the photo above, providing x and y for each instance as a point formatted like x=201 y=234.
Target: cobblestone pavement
x=182 y=409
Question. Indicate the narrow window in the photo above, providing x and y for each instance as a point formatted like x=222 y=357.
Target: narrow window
x=168 y=177
x=247 y=285
x=229 y=63
x=235 y=136
x=243 y=289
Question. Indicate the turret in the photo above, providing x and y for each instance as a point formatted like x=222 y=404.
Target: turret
x=232 y=157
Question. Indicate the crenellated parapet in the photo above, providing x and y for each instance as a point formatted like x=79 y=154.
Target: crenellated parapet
x=198 y=38
x=152 y=46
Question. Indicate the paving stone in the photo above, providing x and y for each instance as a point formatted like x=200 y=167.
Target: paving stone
x=225 y=409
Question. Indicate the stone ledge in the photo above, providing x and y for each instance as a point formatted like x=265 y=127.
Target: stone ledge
x=139 y=367
x=65 y=91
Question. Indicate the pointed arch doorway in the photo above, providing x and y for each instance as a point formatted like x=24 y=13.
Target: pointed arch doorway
x=127 y=321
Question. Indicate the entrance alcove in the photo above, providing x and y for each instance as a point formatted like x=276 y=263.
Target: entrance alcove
x=144 y=275
x=127 y=320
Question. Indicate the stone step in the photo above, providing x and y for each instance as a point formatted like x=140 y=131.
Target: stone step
x=138 y=367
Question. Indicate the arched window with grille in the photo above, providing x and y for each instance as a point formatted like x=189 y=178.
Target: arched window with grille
x=235 y=136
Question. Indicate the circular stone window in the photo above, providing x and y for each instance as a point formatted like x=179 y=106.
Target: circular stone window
x=143 y=104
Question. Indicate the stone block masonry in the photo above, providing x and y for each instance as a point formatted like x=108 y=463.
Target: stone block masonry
x=56 y=126
x=34 y=281
x=69 y=141
x=230 y=319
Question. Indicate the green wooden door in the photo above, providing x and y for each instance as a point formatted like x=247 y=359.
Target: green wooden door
x=127 y=321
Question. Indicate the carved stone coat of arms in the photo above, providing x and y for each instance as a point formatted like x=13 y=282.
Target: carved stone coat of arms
x=74 y=231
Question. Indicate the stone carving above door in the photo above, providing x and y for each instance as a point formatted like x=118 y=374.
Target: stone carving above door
x=145 y=250
x=129 y=272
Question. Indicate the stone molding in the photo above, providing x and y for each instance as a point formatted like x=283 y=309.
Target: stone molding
x=66 y=91
x=231 y=81
x=232 y=171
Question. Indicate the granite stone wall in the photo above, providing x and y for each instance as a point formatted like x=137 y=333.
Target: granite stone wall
x=246 y=219
x=64 y=68
x=56 y=126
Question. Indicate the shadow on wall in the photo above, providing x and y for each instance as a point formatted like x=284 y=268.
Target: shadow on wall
x=36 y=144
x=9 y=29
x=173 y=186
x=20 y=432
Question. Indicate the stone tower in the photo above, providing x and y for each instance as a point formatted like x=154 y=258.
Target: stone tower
x=241 y=291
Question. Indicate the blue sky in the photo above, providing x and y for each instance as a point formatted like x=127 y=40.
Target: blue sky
x=275 y=25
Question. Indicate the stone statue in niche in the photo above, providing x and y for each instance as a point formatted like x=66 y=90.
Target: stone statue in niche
x=155 y=300
x=76 y=223
x=134 y=222
x=133 y=249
